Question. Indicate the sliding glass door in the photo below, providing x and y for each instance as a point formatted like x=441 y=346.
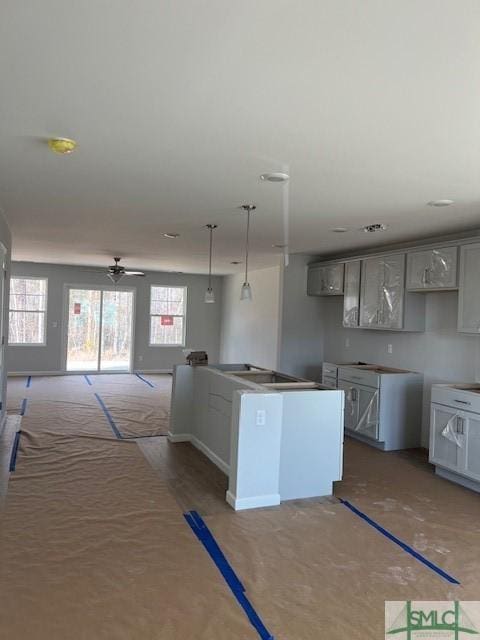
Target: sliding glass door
x=99 y=336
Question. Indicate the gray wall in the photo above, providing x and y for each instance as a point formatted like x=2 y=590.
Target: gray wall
x=203 y=320
x=250 y=328
x=301 y=336
x=6 y=240
x=440 y=353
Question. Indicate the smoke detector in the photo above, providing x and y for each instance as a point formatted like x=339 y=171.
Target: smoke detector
x=374 y=228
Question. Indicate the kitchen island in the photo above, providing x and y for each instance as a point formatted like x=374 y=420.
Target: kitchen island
x=277 y=437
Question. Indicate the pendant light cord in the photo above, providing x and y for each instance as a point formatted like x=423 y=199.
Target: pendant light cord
x=210 y=260
x=246 y=246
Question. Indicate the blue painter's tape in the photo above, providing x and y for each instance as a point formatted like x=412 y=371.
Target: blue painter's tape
x=205 y=536
x=89 y=382
x=111 y=421
x=144 y=380
x=23 y=408
x=13 y=456
x=402 y=545
x=29 y=382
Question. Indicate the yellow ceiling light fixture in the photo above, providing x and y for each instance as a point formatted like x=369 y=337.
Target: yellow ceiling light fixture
x=62 y=145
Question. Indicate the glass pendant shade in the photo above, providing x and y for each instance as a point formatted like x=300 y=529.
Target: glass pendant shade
x=209 y=295
x=246 y=292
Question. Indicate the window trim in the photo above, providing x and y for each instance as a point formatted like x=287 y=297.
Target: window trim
x=29 y=344
x=156 y=315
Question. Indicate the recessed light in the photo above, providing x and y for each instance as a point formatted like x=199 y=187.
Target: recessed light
x=374 y=228
x=339 y=230
x=171 y=235
x=440 y=203
x=275 y=176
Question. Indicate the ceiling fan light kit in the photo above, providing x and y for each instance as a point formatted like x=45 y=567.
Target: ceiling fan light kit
x=116 y=271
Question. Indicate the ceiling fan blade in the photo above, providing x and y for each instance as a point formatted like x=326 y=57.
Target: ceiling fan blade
x=133 y=273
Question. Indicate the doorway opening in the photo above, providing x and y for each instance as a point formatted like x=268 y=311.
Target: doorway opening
x=99 y=329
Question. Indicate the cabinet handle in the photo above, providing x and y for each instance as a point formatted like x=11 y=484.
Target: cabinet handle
x=460 y=426
x=463 y=402
x=354 y=395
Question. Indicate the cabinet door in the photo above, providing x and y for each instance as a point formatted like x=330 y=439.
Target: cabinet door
x=446 y=438
x=432 y=269
x=370 y=298
x=469 y=294
x=334 y=279
x=315 y=281
x=351 y=404
x=367 y=423
x=392 y=292
x=382 y=292
x=351 y=300
x=471 y=428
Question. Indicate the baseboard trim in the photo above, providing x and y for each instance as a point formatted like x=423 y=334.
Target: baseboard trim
x=81 y=373
x=254 y=502
x=179 y=437
x=45 y=373
x=198 y=444
x=147 y=371
x=223 y=466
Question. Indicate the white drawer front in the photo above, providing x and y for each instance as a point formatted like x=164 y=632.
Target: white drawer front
x=359 y=376
x=458 y=398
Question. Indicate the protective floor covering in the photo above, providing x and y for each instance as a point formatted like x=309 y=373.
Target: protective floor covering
x=94 y=546
x=138 y=406
x=328 y=563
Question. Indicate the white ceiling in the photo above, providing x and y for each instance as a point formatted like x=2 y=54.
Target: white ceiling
x=178 y=106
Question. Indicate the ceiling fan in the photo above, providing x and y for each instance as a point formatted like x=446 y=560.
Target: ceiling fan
x=116 y=271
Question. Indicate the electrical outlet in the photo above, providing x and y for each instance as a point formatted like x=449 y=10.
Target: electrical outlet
x=389 y=348
x=54 y=324
x=261 y=418
x=347 y=343
x=140 y=358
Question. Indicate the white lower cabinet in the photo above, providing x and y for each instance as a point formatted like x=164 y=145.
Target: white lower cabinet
x=446 y=438
x=382 y=405
x=472 y=448
x=455 y=434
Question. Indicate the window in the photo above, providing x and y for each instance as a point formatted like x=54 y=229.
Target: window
x=167 y=316
x=28 y=304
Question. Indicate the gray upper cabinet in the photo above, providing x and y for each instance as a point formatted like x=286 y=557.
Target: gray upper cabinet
x=382 y=292
x=325 y=280
x=351 y=300
x=432 y=269
x=384 y=303
x=469 y=294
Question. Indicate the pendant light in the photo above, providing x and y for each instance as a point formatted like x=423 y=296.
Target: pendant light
x=246 y=292
x=209 y=294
